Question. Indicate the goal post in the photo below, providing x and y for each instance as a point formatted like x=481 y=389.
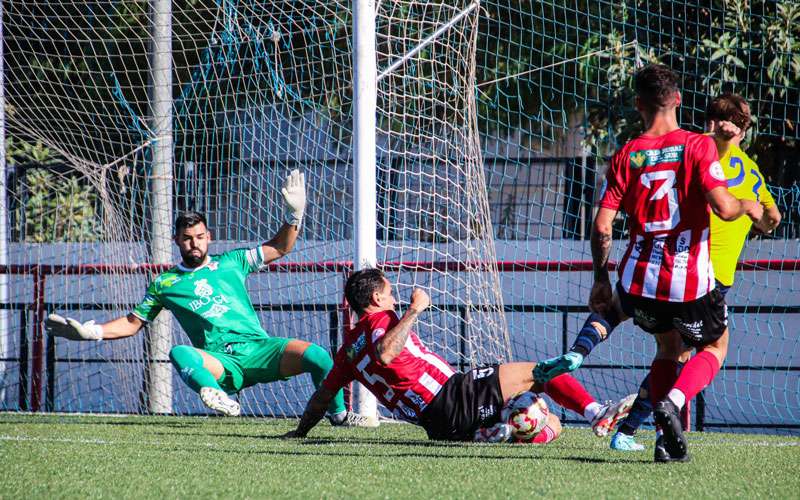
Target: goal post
x=364 y=158
x=158 y=379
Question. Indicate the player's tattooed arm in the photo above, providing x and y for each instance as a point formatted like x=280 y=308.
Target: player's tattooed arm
x=391 y=344
x=601 y=243
x=315 y=410
x=601 y=295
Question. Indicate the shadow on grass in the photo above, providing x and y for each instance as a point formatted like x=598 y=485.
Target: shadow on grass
x=357 y=440
x=368 y=453
x=448 y=449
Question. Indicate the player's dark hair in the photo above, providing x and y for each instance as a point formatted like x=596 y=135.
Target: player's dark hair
x=360 y=286
x=655 y=84
x=189 y=219
x=729 y=107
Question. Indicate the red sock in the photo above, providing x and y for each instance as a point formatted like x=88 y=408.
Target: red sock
x=697 y=374
x=569 y=393
x=663 y=374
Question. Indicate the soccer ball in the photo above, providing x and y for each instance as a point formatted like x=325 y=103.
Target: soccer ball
x=527 y=414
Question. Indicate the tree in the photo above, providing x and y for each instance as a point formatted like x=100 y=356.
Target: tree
x=52 y=206
x=748 y=46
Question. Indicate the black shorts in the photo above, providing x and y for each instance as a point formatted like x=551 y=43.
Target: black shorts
x=700 y=322
x=465 y=403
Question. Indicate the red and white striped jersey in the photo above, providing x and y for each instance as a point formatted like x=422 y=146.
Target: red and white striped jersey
x=406 y=385
x=661 y=184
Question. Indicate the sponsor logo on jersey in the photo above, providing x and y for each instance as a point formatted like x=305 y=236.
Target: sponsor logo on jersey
x=168 y=280
x=202 y=288
x=716 y=171
x=693 y=330
x=683 y=244
x=644 y=319
x=681 y=257
x=353 y=349
x=638 y=159
x=205 y=295
x=650 y=157
x=657 y=255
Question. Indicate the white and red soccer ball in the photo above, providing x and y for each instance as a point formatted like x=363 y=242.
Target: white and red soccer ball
x=526 y=414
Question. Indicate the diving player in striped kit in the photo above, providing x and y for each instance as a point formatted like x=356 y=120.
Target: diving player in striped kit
x=418 y=386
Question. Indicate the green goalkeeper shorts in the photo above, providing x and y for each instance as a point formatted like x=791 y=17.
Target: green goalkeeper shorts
x=250 y=363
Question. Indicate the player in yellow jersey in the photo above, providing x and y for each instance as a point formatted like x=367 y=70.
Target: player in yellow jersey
x=728 y=118
x=727 y=121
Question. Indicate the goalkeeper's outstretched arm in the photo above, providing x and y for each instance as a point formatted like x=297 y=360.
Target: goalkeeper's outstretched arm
x=294 y=200
x=73 y=329
x=125 y=326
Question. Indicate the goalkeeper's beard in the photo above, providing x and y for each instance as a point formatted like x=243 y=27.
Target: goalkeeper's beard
x=192 y=260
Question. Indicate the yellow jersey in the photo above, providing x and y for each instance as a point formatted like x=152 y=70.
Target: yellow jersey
x=727 y=238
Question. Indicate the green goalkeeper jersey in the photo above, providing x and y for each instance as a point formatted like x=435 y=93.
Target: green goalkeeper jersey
x=210 y=301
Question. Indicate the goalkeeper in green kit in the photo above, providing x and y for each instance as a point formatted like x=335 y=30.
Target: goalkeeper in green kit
x=208 y=296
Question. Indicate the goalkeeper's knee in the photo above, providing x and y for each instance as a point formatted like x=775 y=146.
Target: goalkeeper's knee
x=189 y=364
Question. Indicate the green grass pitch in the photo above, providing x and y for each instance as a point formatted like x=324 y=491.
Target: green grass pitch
x=179 y=457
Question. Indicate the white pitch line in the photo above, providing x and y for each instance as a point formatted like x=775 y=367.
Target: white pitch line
x=6 y=437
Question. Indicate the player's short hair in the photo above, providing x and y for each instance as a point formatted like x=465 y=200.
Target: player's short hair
x=729 y=107
x=360 y=286
x=189 y=219
x=655 y=84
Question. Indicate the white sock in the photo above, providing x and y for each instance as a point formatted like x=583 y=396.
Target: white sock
x=677 y=397
x=591 y=410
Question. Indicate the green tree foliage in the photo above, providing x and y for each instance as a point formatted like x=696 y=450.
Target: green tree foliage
x=748 y=46
x=59 y=208
x=51 y=206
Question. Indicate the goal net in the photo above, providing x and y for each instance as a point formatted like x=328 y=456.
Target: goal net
x=258 y=89
x=494 y=124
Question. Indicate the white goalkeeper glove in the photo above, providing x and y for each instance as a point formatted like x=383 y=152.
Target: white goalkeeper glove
x=72 y=329
x=294 y=197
